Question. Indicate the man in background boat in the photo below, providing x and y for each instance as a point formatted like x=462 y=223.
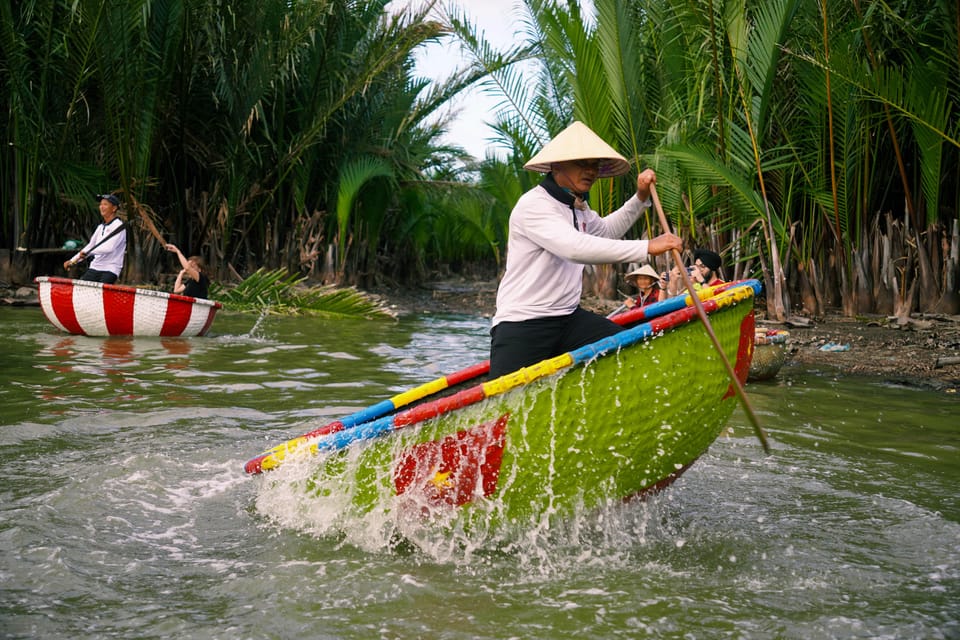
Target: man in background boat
x=707 y=265
x=553 y=233
x=107 y=245
x=705 y=272
x=192 y=280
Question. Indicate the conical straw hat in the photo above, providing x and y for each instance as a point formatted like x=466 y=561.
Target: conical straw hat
x=645 y=270
x=578 y=142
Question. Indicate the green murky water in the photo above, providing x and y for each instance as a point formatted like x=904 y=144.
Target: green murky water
x=126 y=513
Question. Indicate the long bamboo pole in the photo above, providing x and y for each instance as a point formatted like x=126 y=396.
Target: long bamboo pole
x=145 y=216
x=702 y=314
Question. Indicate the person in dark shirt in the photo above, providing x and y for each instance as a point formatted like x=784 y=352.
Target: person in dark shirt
x=192 y=280
x=707 y=267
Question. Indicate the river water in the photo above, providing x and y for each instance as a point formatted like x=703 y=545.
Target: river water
x=126 y=512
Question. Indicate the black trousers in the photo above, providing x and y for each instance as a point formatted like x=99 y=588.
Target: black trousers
x=514 y=345
x=93 y=275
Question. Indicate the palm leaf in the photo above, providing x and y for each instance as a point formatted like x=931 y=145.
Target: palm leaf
x=280 y=292
x=927 y=98
x=353 y=176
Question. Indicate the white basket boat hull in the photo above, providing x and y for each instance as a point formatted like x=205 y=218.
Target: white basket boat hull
x=94 y=309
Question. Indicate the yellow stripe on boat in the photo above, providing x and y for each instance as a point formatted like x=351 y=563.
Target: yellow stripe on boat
x=527 y=374
x=418 y=393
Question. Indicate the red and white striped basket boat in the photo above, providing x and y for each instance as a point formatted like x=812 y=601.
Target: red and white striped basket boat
x=96 y=309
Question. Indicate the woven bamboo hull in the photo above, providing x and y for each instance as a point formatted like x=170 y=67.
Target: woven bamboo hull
x=769 y=354
x=95 y=309
x=609 y=427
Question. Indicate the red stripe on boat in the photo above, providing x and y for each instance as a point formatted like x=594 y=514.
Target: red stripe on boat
x=253 y=466
x=466 y=374
x=453 y=470
x=206 y=325
x=744 y=352
x=118 y=310
x=61 y=299
x=671 y=320
x=176 y=318
x=438 y=407
x=326 y=429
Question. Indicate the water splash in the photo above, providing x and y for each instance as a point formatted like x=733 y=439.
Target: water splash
x=256 y=331
x=337 y=497
x=546 y=545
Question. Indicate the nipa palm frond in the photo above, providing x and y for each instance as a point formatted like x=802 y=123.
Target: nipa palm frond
x=281 y=292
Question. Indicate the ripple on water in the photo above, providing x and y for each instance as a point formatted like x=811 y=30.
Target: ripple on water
x=126 y=512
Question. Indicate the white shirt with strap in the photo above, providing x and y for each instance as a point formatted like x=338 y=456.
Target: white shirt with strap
x=109 y=255
x=546 y=253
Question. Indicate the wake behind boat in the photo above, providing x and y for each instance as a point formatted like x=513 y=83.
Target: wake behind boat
x=96 y=309
x=608 y=421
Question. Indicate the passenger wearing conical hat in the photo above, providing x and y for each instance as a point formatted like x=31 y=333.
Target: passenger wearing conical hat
x=647 y=282
x=553 y=233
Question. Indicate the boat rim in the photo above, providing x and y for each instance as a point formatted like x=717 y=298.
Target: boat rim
x=123 y=288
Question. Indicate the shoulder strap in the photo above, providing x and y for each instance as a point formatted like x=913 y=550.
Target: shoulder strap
x=123 y=225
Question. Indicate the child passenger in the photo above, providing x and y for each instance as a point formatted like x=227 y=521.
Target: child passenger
x=647 y=282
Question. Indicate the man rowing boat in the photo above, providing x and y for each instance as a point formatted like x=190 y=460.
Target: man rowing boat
x=553 y=233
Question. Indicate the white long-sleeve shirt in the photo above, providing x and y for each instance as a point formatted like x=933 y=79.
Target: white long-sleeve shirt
x=546 y=253
x=109 y=255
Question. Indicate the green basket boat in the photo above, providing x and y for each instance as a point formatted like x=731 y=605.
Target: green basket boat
x=607 y=422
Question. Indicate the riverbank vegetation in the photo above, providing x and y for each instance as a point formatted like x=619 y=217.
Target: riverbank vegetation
x=282 y=293
x=815 y=145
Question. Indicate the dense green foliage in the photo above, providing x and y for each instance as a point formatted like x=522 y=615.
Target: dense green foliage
x=269 y=133
x=280 y=292
x=816 y=145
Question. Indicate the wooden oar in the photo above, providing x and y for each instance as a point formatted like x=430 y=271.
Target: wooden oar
x=617 y=310
x=734 y=380
x=122 y=226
